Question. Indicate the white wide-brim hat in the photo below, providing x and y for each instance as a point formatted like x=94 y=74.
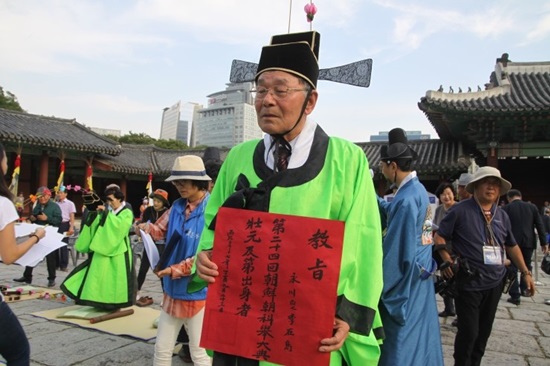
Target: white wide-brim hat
x=488 y=171
x=188 y=167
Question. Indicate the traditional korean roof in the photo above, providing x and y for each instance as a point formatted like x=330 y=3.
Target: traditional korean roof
x=145 y=159
x=435 y=157
x=51 y=132
x=514 y=89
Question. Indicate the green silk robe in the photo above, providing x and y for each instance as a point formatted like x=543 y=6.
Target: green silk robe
x=106 y=279
x=334 y=183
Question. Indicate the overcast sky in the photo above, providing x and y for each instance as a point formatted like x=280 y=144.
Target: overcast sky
x=117 y=64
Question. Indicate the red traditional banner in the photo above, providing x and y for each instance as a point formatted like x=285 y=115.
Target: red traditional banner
x=275 y=298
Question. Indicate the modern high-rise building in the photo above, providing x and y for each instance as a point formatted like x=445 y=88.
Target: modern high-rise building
x=195 y=117
x=172 y=126
x=229 y=118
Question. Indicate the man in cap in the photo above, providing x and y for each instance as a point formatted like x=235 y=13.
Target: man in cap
x=298 y=169
x=482 y=239
x=409 y=309
x=463 y=180
x=525 y=220
x=46 y=212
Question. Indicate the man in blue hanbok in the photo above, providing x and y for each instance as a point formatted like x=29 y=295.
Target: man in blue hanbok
x=408 y=305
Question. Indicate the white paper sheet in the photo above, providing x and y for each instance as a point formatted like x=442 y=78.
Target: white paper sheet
x=45 y=246
x=150 y=249
x=24 y=228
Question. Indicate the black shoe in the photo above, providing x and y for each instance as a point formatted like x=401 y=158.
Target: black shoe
x=455 y=323
x=185 y=353
x=514 y=301
x=51 y=283
x=23 y=279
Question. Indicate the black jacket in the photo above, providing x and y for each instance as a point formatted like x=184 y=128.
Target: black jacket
x=525 y=218
x=546 y=223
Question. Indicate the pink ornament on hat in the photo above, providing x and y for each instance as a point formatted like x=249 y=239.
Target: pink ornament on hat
x=310 y=10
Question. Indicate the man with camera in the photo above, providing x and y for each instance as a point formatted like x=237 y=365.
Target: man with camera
x=482 y=237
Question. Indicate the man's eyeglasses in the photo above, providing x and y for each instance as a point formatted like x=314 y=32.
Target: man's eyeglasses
x=178 y=183
x=279 y=92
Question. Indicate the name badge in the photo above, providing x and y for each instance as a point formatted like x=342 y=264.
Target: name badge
x=492 y=256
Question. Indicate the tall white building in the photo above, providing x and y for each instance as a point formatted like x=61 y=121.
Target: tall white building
x=229 y=118
x=195 y=117
x=172 y=126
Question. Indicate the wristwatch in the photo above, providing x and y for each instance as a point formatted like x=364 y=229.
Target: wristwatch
x=526 y=273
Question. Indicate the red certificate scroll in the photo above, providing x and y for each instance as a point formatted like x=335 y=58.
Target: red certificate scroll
x=275 y=298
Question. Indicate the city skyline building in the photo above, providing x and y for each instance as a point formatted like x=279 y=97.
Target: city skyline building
x=229 y=118
x=172 y=126
x=196 y=107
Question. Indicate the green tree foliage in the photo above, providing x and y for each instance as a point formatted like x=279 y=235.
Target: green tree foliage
x=171 y=144
x=9 y=101
x=137 y=138
x=113 y=137
x=144 y=139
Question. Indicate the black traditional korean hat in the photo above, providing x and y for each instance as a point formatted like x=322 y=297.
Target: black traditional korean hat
x=298 y=53
x=295 y=53
x=398 y=147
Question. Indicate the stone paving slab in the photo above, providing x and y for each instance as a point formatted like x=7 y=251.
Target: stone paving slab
x=515 y=343
x=516 y=326
x=521 y=334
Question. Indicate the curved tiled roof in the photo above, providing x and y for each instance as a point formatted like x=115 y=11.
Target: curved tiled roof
x=435 y=157
x=515 y=89
x=52 y=132
x=145 y=159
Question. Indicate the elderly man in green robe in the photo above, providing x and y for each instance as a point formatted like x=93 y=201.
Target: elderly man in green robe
x=298 y=169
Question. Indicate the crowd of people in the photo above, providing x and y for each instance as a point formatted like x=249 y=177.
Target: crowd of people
x=391 y=252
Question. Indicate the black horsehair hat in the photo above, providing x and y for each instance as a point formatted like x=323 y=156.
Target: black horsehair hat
x=211 y=153
x=398 y=147
x=298 y=54
x=295 y=53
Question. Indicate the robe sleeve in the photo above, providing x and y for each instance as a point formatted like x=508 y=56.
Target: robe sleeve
x=87 y=231
x=110 y=237
x=361 y=277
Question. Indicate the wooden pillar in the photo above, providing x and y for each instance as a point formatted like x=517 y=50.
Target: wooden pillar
x=124 y=186
x=43 y=171
x=492 y=156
